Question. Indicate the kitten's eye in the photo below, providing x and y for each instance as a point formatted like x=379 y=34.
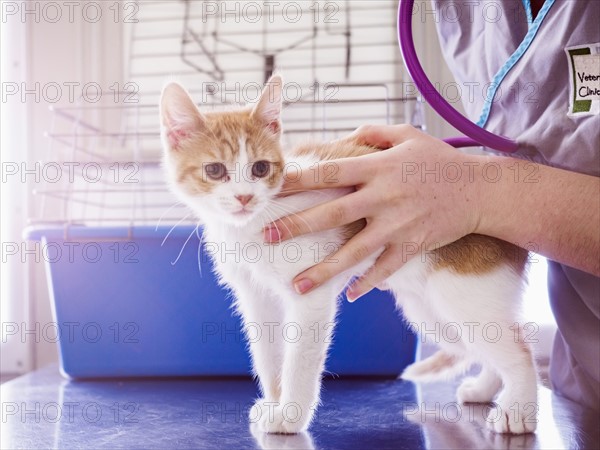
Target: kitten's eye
x=260 y=169
x=215 y=171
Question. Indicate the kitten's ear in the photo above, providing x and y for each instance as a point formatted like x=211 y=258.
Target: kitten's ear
x=268 y=108
x=180 y=117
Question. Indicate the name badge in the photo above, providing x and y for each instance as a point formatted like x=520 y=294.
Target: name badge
x=584 y=80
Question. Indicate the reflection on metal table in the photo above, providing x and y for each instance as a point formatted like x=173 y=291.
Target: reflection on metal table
x=44 y=410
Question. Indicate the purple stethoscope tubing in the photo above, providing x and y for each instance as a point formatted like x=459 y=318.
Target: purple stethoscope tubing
x=474 y=135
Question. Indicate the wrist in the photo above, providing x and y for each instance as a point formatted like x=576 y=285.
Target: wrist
x=492 y=194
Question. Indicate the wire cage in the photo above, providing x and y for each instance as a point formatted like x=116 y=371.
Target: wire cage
x=341 y=68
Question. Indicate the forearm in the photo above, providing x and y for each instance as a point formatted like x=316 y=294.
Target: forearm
x=552 y=211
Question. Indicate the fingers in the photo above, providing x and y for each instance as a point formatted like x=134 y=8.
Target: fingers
x=338 y=212
x=347 y=171
x=326 y=174
x=386 y=265
x=354 y=251
x=383 y=136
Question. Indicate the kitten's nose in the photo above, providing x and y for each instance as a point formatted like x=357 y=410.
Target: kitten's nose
x=244 y=199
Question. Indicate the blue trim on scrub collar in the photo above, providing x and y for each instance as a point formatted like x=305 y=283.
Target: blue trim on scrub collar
x=508 y=65
x=527 y=6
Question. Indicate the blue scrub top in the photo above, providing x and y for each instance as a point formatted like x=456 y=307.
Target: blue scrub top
x=537 y=80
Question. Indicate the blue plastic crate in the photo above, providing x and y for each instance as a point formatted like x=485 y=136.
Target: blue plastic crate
x=123 y=307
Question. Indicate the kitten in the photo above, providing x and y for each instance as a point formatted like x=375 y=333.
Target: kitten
x=228 y=167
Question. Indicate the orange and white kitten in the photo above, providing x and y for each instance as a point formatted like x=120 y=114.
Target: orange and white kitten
x=228 y=167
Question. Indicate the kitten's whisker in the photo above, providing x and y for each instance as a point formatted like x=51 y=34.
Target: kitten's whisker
x=183 y=247
x=289 y=192
x=200 y=244
x=269 y=217
x=284 y=208
x=172 y=228
x=273 y=217
x=292 y=213
x=163 y=214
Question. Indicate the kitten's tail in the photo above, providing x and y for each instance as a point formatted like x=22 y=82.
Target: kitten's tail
x=440 y=365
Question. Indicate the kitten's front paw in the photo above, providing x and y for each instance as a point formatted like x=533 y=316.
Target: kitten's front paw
x=513 y=417
x=272 y=441
x=273 y=417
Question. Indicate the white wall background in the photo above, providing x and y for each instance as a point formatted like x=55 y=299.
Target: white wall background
x=44 y=52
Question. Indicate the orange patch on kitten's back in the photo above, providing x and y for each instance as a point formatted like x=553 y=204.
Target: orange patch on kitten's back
x=478 y=254
x=344 y=148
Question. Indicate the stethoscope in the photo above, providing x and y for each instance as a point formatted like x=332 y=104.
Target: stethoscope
x=474 y=135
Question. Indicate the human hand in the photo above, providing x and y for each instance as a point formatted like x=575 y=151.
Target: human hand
x=415 y=193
